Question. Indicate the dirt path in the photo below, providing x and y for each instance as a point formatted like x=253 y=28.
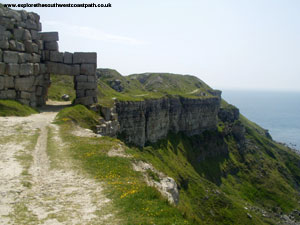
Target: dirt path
x=32 y=191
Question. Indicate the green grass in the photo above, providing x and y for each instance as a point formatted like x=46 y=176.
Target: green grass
x=136 y=202
x=14 y=108
x=80 y=115
x=60 y=85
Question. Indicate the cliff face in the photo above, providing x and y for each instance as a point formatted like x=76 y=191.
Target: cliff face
x=151 y=120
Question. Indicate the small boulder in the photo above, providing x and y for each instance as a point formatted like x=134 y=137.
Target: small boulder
x=65 y=97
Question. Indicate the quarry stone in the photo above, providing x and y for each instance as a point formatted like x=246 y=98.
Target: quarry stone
x=84 y=57
x=87 y=69
x=2 y=68
x=49 y=36
x=9 y=82
x=24 y=84
x=52 y=46
x=56 y=56
x=26 y=35
x=12 y=69
x=68 y=57
x=26 y=69
x=4 y=44
x=10 y=57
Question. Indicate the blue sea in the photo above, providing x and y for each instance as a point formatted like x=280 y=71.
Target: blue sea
x=279 y=112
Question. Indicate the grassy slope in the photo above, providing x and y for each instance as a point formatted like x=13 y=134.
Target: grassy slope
x=13 y=108
x=214 y=188
x=138 y=87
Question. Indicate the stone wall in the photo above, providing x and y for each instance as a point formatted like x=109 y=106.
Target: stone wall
x=28 y=57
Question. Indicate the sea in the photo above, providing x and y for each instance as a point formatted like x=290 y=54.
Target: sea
x=279 y=112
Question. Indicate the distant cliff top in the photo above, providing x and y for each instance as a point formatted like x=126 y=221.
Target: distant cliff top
x=137 y=87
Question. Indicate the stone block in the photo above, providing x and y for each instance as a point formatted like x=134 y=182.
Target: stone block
x=68 y=58
x=85 y=85
x=20 y=47
x=24 y=101
x=84 y=57
x=11 y=94
x=81 y=78
x=31 y=25
x=40 y=44
x=8 y=34
x=26 y=69
x=35 y=58
x=26 y=35
x=2 y=68
x=28 y=46
x=85 y=100
x=49 y=36
x=25 y=95
x=1 y=55
x=39 y=80
x=13 y=14
x=12 y=45
x=80 y=93
x=92 y=78
x=43 y=68
x=36 y=68
x=88 y=69
x=4 y=44
x=35 y=48
x=2 y=29
x=18 y=34
x=91 y=93
x=75 y=70
x=24 y=57
x=39 y=91
x=35 y=35
x=39 y=27
x=52 y=45
x=1 y=82
x=7 y=22
x=10 y=57
x=8 y=94
x=12 y=69
x=24 y=84
x=46 y=55
x=56 y=56
x=9 y=82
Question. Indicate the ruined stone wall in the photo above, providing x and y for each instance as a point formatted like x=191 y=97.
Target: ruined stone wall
x=28 y=57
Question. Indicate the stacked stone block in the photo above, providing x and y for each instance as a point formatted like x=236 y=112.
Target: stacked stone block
x=28 y=57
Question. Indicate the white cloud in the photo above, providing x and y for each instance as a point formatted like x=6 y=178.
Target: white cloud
x=92 y=33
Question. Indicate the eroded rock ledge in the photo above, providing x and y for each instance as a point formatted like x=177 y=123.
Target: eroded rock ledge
x=151 y=120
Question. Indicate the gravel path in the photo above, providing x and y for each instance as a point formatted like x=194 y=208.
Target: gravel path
x=41 y=194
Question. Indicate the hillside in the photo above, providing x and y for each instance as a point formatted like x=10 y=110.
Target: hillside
x=234 y=175
x=231 y=173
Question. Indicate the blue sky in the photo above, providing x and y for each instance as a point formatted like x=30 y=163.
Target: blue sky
x=229 y=44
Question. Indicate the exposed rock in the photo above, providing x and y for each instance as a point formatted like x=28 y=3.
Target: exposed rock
x=65 y=97
x=151 y=120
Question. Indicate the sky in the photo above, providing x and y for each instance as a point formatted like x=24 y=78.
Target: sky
x=229 y=44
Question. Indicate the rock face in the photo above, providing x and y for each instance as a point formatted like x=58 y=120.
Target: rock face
x=151 y=120
x=28 y=57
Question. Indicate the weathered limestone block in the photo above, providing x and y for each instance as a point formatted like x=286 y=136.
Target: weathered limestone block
x=26 y=35
x=56 y=56
x=10 y=57
x=84 y=57
x=49 y=36
x=12 y=69
x=40 y=44
x=52 y=45
x=43 y=68
x=9 y=82
x=92 y=78
x=12 y=45
x=7 y=22
x=28 y=46
x=4 y=44
x=80 y=93
x=32 y=25
x=8 y=34
x=85 y=85
x=91 y=93
x=24 y=57
x=20 y=47
x=8 y=94
x=25 y=95
x=1 y=82
x=34 y=35
x=81 y=78
x=13 y=14
x=75 y=70
x=68 y=57
x=24 y=84
x=35 y=58
x=2 y=68
x=24 y=101
x=26 y=69
x=36 y=68
x=18 y=34
x=39 y=80
x=88 y=69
